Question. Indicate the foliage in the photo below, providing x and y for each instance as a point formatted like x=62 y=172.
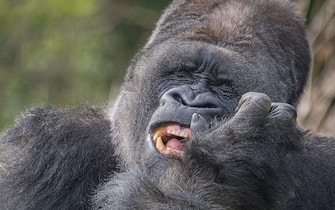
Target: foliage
x=62 y=53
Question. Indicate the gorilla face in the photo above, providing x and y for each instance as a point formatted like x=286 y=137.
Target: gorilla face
x=202 y=57
x=201 y=89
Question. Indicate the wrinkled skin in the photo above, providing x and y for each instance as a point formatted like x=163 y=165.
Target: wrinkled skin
x=205 y=120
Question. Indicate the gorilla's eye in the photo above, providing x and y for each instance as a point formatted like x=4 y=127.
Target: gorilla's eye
x=167 y=139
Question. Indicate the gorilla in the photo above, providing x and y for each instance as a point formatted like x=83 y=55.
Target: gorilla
x=204 y=120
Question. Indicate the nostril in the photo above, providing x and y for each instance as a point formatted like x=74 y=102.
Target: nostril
x=187 y=97
x=208 y=105
x=212 y=104
x=177 y=97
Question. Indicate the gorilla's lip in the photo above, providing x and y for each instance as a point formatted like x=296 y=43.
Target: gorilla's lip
x=168 y=139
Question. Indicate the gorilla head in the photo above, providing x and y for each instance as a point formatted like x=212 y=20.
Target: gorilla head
x=201 y=58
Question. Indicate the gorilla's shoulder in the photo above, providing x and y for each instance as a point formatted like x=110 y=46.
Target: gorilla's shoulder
x=70 y=124
x=68 y=151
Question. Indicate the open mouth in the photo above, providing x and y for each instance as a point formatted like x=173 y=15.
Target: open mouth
x=169 y=139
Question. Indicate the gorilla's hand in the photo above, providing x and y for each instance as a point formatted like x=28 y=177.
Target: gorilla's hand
x=258 y=129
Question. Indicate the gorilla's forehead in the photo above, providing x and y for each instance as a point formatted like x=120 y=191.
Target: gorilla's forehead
x=222 y=22
x=175 y=54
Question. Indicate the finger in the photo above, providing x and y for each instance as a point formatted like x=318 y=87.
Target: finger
x=198 y=123
x=253 y=105
x=283 y=113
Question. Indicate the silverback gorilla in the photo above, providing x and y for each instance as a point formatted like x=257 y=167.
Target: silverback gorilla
x=205 y=120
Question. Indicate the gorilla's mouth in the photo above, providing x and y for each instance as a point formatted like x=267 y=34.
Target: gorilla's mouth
x=169 y=138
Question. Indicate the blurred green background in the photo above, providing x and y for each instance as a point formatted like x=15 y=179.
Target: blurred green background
x=64 y=53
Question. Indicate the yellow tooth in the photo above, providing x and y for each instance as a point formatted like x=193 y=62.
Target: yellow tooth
x=157 y=135
x=170 y=131
x=173 y=132
x=160 y=145
x=182 y=134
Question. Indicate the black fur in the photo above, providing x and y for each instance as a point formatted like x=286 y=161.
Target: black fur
x=57 y=159
x=228 y=69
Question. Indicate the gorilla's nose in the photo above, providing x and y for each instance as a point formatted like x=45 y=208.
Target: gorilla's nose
x=193 y=100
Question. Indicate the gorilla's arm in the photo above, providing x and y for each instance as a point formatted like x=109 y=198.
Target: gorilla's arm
x=267 y=162
x=54 y=159
x=258 y=159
